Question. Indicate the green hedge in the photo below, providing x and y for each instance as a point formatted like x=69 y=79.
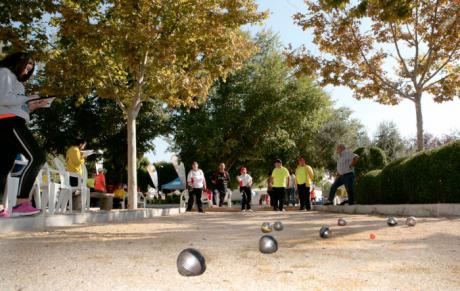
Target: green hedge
x=372 y=158
x=428 y=177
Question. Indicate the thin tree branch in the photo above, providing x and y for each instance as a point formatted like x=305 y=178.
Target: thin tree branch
x=401 y=59
x=414 y=79
x=435 y=43
x=437 y=81
x=372 y=71
x=443 y=65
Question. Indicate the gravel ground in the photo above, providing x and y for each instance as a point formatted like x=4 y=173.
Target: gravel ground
x=141 y=255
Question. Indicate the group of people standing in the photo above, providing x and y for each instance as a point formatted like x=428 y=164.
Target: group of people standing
x=220 y=180
x=281 y=184
x=15 y=107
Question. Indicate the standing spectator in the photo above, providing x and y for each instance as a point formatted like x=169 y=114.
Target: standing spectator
x=119 y=196
x=16 y=139
x=270 y=189
x=99 y=182
x=290 y=190
x=312 y=195
x=75 y=160
x=304 y=177
x=245 y=181
x=196 y=182
x=280 y=177
x=345 y=174
x=220 y=180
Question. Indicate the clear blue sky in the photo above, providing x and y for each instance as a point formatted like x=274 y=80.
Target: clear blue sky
x=439 y=119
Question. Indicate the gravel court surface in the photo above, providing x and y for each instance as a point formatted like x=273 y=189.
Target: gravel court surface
x=141 y=255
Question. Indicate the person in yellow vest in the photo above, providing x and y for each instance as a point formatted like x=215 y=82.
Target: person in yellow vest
x=280 y=179
x=304 y=176
x=75 y=160
x=119 y=196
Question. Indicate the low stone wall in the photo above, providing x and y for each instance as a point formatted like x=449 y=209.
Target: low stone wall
x=418 y=210
x=45 y=222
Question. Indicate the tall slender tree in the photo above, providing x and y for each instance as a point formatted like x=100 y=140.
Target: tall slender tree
x=387 y=60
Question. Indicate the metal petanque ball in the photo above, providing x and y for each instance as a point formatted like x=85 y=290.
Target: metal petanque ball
x=392 y=221
x=341 y=222
x=190 y=262
x=268 y=244
x=411 y=221
x=278 y=226
x=324 y=232
x=266 y=227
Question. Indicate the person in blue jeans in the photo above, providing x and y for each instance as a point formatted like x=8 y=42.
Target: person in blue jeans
x=345 y=174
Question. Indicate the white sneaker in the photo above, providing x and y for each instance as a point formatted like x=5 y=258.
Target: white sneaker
x=244 y=210
x=250 y=210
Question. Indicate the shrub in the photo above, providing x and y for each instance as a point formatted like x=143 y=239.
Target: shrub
x=367 y=191
x=428 y=177
x=372 y=158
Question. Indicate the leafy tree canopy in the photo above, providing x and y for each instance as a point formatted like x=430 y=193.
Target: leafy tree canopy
x=260 y=113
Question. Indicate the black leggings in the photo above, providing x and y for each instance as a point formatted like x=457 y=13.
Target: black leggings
x=195 y=194
x=246 y=197
x=17 y=139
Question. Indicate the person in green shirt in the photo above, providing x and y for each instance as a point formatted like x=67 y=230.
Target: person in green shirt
x=280 y=179
x=304 y=177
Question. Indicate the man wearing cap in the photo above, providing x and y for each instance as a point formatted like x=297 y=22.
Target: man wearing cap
x=280 y=178
x=345 y=174
x=304 y=177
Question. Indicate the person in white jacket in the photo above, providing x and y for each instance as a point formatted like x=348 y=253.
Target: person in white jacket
x=16 y=138
x=245 y=181
x=197 y=183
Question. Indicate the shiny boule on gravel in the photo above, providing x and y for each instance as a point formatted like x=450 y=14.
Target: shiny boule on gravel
x=278 y=226
x=268 y=244
x=411 y=221
x=341 y=222
x=325 y=231
x=392 y=221
x=191 y=262
x=266 y=227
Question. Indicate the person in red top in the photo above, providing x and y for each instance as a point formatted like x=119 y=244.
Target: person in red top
x=312 y=195
x=99 y=181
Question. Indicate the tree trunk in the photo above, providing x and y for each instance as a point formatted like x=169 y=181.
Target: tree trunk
x=419 y=116
x=132 y=160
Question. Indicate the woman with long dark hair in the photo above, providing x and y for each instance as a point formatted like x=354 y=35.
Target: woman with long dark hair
x=15 y=137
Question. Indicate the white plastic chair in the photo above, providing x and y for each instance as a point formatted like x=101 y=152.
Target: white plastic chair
x=183 y=203
x=85 y=191
x=141 y=200
x=66 y=198
x=64 y=192
x=12 y=183
x=228 y=197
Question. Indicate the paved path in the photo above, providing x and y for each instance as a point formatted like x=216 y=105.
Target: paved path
x=142 y=255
